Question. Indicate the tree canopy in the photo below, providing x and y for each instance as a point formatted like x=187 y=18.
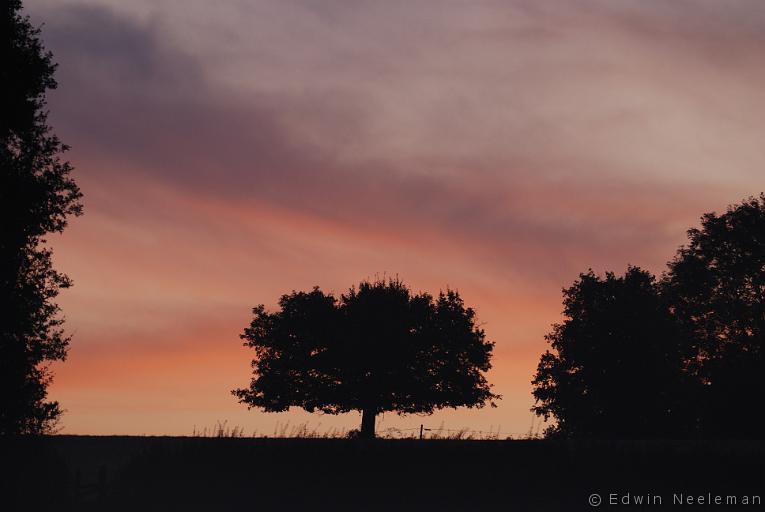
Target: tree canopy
x=376 y=348
x=617 y=369
x=681 y=357
x=716 y=286
x=37 y=195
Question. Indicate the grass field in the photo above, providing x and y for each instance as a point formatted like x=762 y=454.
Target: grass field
x=86 y=473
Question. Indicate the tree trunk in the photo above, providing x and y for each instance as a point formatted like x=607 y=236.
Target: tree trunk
x=367 y=424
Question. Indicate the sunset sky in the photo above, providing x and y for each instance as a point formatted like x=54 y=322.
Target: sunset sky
x=233 y=151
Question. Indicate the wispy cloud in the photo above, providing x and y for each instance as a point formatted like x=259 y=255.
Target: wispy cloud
x=230 y=152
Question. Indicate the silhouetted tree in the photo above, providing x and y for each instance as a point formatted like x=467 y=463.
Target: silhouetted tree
x=377 y=348
x=716 y=285
x=36 y=196
x=617 y=365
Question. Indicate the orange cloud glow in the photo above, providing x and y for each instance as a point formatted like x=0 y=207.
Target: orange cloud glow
x=499 y=149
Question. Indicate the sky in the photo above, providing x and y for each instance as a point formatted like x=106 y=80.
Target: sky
x=234 y=151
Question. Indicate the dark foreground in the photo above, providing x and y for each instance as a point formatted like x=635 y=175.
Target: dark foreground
x=219 y=474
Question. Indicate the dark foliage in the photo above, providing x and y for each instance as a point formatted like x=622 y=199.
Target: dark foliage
x=617 y=370
x=36 y=197
x=679 y=358
x=377 y=348
x=716 y=286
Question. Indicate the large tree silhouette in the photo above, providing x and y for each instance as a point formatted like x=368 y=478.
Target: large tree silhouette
x=716 y=285
x=374 y=349
x=36 y=197
x=682 y=357
x=617 y=365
